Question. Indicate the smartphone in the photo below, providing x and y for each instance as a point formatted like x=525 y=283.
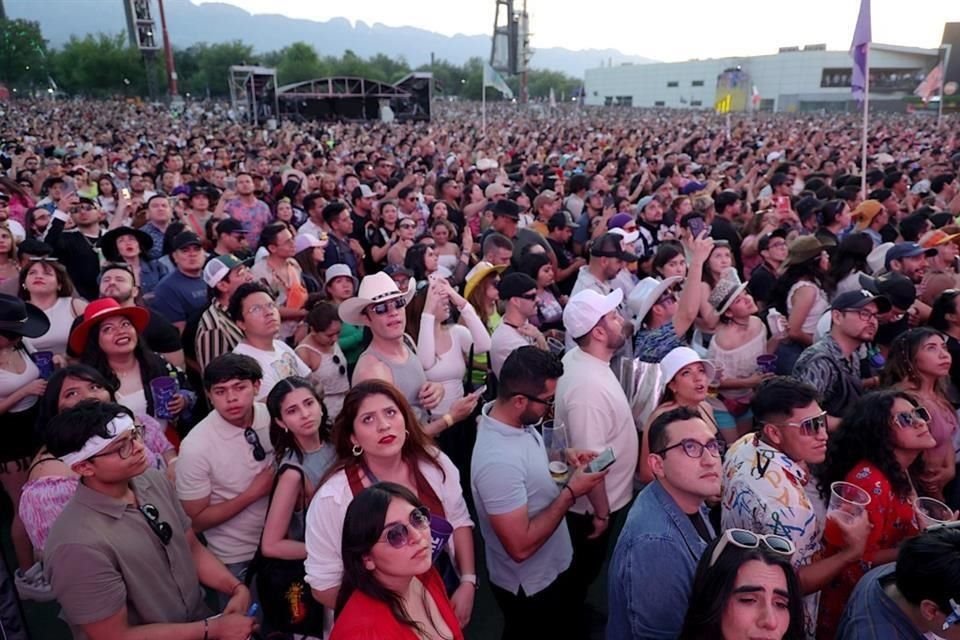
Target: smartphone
x=602 y=461
x=480 y=391
x=126 y=193
x=782 y=204
x=696 y=225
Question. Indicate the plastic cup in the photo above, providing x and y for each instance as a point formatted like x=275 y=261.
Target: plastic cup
x=440 y=532
x=767 y=363
x=847 y=502
x=164 y=390
x=44 y=361
x=555 y=346
x=931 y=513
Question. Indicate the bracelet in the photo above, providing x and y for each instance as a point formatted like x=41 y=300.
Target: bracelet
x=599 y=517
x=448 y=420
x=469 y=578
x=572 y=494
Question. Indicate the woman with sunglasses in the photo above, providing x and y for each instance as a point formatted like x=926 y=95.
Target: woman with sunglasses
x=44 y=283
x=377 y=438
x=51 y=483
x=405 y=237
x=919 y=362
x=390 y=589
x=321 y=351
x=745 y=587
x=686 y=381
x=877 y=447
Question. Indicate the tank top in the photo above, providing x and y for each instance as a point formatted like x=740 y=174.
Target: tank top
x=740 y=362
x=408 y=377
x=10 y=382
x=820 y=305
x=329 y=379
x=61 y=318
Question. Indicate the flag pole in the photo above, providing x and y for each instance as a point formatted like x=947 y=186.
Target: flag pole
x=866 y=116
x=483 y=109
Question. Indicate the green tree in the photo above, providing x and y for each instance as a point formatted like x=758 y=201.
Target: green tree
x=102 y=65
x=23 y=53
x=208 y=66
x=299 y=62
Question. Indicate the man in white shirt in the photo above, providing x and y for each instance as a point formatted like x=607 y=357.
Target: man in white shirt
x=225 y=467
x=592 y=405
x=256 y=313
x=519 y=293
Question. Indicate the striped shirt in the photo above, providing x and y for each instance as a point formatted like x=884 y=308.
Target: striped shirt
x=216 y=334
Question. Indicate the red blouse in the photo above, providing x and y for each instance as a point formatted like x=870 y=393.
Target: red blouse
x=892 y=520
x=364 y=618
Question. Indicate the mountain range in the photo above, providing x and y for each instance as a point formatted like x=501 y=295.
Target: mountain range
x=218 y=22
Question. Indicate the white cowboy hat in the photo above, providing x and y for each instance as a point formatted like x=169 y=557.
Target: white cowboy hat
x=645 y=294
x=375 y=288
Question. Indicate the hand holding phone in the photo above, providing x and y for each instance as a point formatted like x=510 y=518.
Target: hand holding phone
x=602 y=461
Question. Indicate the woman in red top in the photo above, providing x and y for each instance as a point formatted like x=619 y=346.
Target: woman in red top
x=878 y=447
x=390 y=589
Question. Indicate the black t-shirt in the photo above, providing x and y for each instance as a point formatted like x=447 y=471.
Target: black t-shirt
x=761 y=284
x=697 y=521
x=564 y=259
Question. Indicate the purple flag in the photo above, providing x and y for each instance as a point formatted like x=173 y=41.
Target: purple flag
x=858 y=49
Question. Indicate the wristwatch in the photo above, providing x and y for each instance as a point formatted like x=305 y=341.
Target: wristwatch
x=470 y=578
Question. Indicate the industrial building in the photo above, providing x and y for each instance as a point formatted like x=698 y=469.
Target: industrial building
x=807 y=78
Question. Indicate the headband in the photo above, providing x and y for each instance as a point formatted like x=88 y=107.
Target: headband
x=116 y=428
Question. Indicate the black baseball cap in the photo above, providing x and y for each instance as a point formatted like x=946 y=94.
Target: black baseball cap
x=229 y=226
x=858 y=299
x=515 y=284
x=559 y=220
x=609 y=245
x=764 y=242
x=896 y=287
x=186 y=239
x=534 y=169
x=506 y=209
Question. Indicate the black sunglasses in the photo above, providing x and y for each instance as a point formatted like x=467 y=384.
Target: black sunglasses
x=336 y=361
x=253 y=439
x=162 y=529
x=385 y=307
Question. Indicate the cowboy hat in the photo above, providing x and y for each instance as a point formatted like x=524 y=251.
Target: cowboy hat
x=98 y=311
x=108 y=243
x=477 y=274
x=645 y=294
x=375 y=288
x=22 y=318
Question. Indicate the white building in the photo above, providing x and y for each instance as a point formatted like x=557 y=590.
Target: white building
x=794 y=79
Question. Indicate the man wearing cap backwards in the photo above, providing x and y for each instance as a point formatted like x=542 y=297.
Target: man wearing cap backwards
x=379 y=304
x=591 y=402
x=518 y=292
x=78 y=249
x=661 y=318
x=773 y=249
x=607 y=258
x=122 y=557
x=870 y=217
x=532 y=181
x=182 y=292
x=832 y=364
x=217 y=333
x=545 y=205
x=506 y=216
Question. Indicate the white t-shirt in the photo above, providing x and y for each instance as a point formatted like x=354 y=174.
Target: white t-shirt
x=278 y=364
x=592 y=405
x=502 y=343
x=216 y=460
x=324 y=525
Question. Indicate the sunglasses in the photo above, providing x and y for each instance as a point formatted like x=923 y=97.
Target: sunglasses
x=666 y=298
x=337 y=361
x=408 y=226
x=254 y=440
x=694 y=449
x=912 y=419
x=528 y=296
x=42 y=259
x=398 y=534
x=382 y=308
x=750 y=540
x=808 y=426
x=162 y=529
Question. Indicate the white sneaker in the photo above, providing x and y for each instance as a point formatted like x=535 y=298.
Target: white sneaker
x=32 y=585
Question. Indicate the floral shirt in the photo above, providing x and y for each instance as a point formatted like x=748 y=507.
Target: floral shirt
x=765 y=491
x=892 y=521
x=253 y=218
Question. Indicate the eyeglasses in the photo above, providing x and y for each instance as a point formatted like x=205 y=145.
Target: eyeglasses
x=864 y=314
x=254 y=440
x=382 y=308
x=808 y=426
x=162 y=529
x=398 y=534
x=694 y=449
x=750 y=540
x=337 y=361
x=262 y=309
x=126 y=449
x=912 y=419
x=547 y=402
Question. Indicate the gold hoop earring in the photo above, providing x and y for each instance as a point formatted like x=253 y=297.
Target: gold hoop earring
x=357 y=451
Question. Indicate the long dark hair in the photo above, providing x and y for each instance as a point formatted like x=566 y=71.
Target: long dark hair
x=713 y=589
x=282 y=439
x=866 y=434
x=807 y=270
x=851 y=256
x=416 y=447
x=151 y=365
x=900 y=367
x=362 y=527
x=49 y=404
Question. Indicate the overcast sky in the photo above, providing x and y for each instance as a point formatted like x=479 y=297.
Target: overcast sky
x=664 y=30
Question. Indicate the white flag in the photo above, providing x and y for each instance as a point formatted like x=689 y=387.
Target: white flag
x=493 y=79
x=553 y=98
x=931 y=84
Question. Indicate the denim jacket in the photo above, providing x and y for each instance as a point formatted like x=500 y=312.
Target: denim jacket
x=651 y=572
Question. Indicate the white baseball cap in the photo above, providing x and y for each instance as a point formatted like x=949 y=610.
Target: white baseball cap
x=585 y=308
x=678 y=359
x=218 y=268
x=306 y=241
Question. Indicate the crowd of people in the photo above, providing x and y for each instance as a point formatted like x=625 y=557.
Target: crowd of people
x=295 y=381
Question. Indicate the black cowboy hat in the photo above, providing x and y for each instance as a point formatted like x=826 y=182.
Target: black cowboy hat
x=22 y=318
x=108 y=243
